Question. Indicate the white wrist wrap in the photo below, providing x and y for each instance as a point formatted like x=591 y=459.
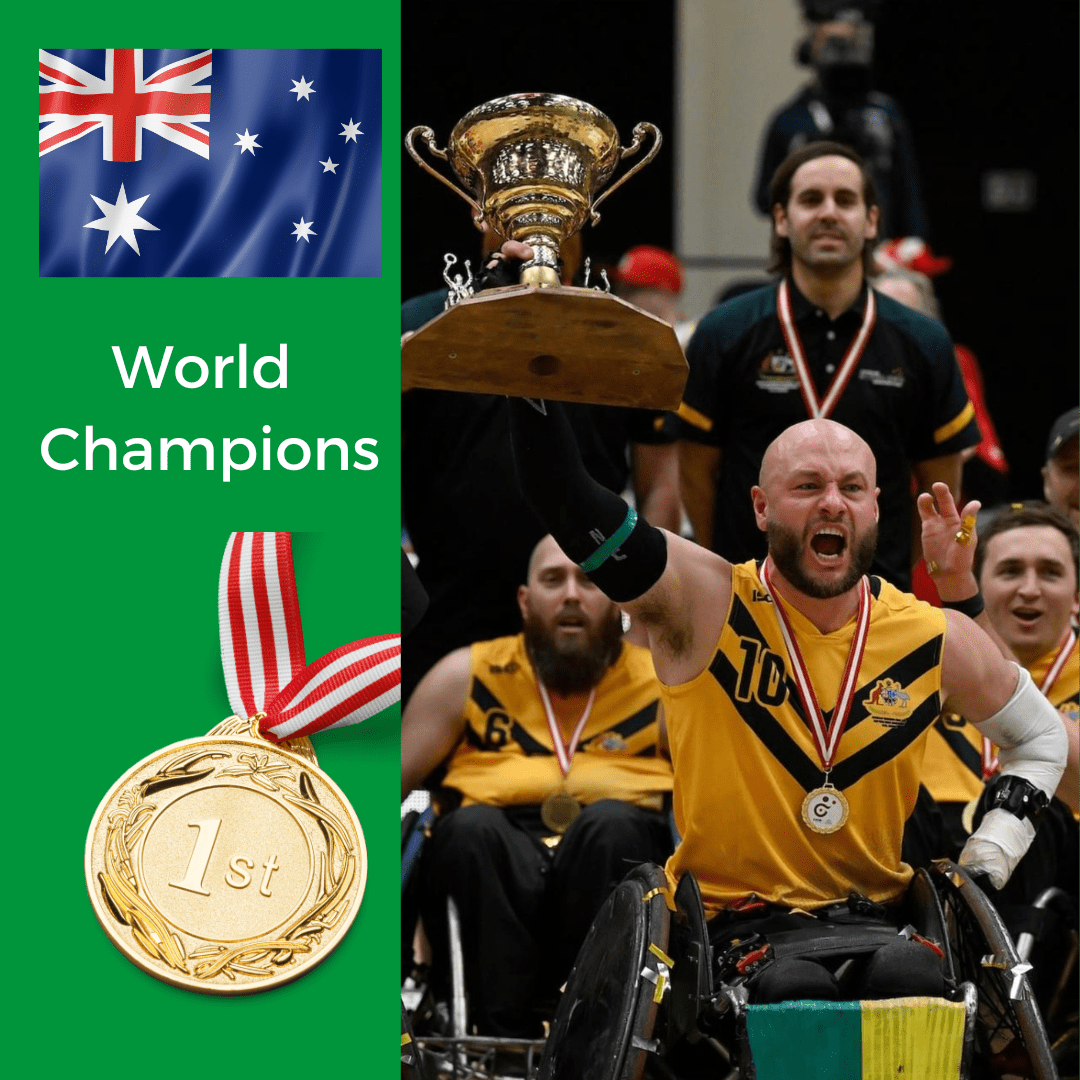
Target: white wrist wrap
x=997 y=845
x=1030 y=735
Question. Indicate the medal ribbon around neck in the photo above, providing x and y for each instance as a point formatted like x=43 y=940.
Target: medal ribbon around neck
x=564 y=751
x=262 y=649
x=819 y=410
x=826 y=738
x=989 y=757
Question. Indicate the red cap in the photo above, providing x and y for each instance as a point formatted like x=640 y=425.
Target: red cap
x=650 y=268
x=912 y=253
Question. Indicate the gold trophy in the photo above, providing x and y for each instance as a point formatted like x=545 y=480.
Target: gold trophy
x=535 y=165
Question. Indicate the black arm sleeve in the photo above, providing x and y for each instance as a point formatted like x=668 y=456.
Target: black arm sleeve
x=622 y=554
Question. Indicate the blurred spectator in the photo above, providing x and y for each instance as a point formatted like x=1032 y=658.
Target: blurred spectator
x=652 y=279
x=986 y=471
x=819 y=344
x=1061 y=483
x=838 y=104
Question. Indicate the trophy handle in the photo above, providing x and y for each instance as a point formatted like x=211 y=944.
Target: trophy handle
x=627 y=151
x=428 y=136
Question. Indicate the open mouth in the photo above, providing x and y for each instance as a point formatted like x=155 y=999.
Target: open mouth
x=828 y=544
x=570 y=622
x=1026 y=616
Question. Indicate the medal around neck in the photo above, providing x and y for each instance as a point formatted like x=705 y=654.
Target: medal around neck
x=226 y=864
x=825 y=810
x=558 y=812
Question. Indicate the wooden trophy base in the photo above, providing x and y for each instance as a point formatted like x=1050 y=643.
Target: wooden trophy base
x=565 y=344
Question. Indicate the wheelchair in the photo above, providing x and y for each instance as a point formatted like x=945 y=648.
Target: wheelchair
x=645 y=984
x=445 y=1050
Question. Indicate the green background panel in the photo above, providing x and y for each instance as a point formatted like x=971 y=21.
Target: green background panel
x=111 y=608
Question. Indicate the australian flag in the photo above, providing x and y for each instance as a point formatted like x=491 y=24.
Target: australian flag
x=210 y=163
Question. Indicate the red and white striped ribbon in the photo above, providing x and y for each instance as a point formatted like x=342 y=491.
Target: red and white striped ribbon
x=262 y=649
x=564 y=751
x=818 y=410
x=989 y=754
x=826 y=739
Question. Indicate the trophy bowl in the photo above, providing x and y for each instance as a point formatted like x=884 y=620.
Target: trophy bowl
x=535 y=164
x=535 y=167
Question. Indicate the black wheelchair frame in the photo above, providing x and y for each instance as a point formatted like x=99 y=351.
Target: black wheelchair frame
x=658 y=990
x=619 y=1021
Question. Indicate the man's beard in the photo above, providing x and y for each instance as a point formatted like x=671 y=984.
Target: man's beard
x=785 y=550
x=580 y=668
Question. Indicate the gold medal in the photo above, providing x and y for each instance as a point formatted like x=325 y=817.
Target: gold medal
x=558 y=811
x=226 y=864
x=825 y=810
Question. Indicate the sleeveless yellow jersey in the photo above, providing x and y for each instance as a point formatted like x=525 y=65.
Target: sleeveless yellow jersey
x=952 y=769
x=744 y=756
x=507 y=757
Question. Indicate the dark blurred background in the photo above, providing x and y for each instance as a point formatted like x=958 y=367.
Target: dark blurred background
x=986 y=86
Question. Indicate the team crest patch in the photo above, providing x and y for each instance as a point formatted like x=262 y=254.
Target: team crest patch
x=613 y=744
x=1070 y=709
x=887 y=703
x=776 y=373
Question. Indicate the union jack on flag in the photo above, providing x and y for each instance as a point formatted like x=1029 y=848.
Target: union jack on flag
x=139 y=177
x=124 y=104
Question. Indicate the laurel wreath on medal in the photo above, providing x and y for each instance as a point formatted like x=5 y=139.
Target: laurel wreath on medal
x=125 y=895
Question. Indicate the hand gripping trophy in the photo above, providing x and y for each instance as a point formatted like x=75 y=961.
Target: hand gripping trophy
x=535 y=165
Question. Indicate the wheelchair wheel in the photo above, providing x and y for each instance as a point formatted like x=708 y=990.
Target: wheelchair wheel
x=603 y=1026
x=1010 y=1038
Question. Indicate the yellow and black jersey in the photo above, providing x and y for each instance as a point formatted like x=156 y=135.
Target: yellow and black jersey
x=507 y=757
x=953 y=766
x=952 y=769
x=745 y=758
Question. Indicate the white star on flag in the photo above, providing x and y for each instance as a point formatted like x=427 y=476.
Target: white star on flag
x=329 y=166
x=121 y=220
x=303 y=230
x=247 y=142
x=302 y=89
x=351 y=131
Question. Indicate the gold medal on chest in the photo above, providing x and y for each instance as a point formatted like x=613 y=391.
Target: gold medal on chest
x=226 y=864
x=558 y=812
x=825 y=810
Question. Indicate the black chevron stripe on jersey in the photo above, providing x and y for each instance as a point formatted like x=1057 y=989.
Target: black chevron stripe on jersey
x=767 y=728
x=805 y=770
x=625 y=728
x=489 y=702
x=959 y=745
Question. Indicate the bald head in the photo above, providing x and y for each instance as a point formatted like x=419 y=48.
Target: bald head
x=546 y=550
x=809 y=445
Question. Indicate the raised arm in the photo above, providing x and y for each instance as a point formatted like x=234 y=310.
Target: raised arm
x=434 y=719
x=1002 y=701
x=676 y=589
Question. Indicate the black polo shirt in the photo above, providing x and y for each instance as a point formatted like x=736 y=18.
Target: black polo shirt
x=906 y=398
